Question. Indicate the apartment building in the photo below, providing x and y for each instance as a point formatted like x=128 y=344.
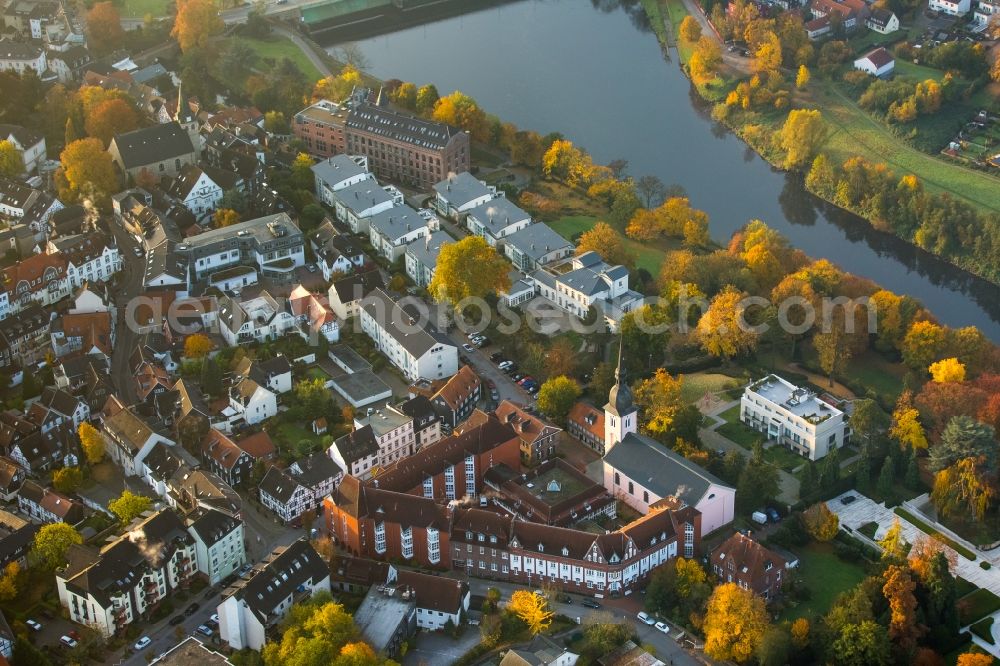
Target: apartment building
x=218 y=543
x=422 y=255
x=538 y=437
x=496 y=219
x=796 y=418
x=273 y=244
x=393 y=432
x=354 y=204
x=335 y=173
x=460 y=193
x=413 y=346
x=589 y=282
x=535 y=246
x=392 y=230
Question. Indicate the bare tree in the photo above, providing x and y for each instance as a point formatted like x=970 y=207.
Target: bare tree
x=652 y=190
x=350 y=54
x=618 y=168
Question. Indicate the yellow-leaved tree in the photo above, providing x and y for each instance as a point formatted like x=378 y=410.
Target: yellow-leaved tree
x=947 y=371
x=11 y=163
x=821 y=523
x=86 y=172
x=802 y=135
x=469 y=268
x=705 y=60
x=338 y=87
x=723 y=330
x=660 y=399
x=906 y=428
x=605 y=241
x=531 y=608
x=129 y=506
x=893 y=544
x=802 y=77
x=225 y=217
x=92 y=442
x=735 y=622
x=51 y=543
x=197 y=345
x=196 y=23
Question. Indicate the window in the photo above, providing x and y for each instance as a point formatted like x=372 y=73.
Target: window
x=631 y=488
x=645 y=496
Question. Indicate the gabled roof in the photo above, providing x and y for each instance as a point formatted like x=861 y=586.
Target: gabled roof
x=357 y=445
x=357 y=286
x=126 y=427
x=150 y=145
x=588 y=417
x=497 y=214
x=280 y=485
x=337 y=169
x=434 y=593
x=279 y=576
x=527 y=426
x=750 y=558
x=459 y=387
x=210 y=525
x=412 y=335
x=221 y=449
x=459 y=189
x=315 y=469
x=878 y=57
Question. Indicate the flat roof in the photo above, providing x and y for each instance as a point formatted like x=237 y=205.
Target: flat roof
x=361 y=388
x=380 y=615
x=799 y=401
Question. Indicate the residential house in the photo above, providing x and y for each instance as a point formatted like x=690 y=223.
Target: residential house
x=957 y=8
x=796 y=418
x=21 y=57
x=391 y=230
x=496 y=219
x=285 y=495
x=56 y=407
x=354 y=204
x=91 y=333
x=24 y=339
x=313 y=315
x=17 y=537
x=129 y=438
x=91 y=257
x=345 y=294
x=125 y=581
x=422 y=254
x=12 y=476
x=460 y=193
x=586 y=423
x=882 y=21
x=335 y=173
x=195 y=189
x=984 y=11
x=160 y=150
x=742 y=560
x=460 y=394
x=588 y=282
x=37 y=453
x=393 y=432
x=413 y=346
x=250 y=403
x=850 y=12
x=538 y=438
x=535 y=246
x=356 y=575
x=22 y=204
x=439 y=600
x=259 y=319
x=41 y=279
x=274 y=374
x=273 y=244
x=817 y=27
x=356 y=453
x=44 y=505
x=30 y=144
x=543 y=651
x=219 y=543
x=318 y=473
x=877 y=62
x=386 y=618
x=256 y=603
x=426 y=422
x=336 y=253
x=224 y=457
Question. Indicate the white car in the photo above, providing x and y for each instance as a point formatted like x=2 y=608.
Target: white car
x=34 y=626
x=214 y=618
x=645 y=619
x=142 y=643
x=67 y=641
x=662 y=626
x=204 y=630
x=467 y=347
x=505 y=365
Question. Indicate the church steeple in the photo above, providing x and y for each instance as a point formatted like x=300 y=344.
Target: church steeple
x=184 y=117
x=620 y=414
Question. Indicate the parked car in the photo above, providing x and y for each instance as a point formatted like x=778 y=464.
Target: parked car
x=773 y=515
x=645 y=619
x=467 y=347
x=204 y=630
x=137 y=251
x=214 y=618
x=503 y=365
x=67 y=641
x=191 y=610
x=483 y=341
x=759 y=517
x=848 y=499
x=590 y=603
x=516 y=377
x=311 y=268
x=33 y=625
x=175 y=620
x=662 y=626
x=494 y=396
x=142 y=643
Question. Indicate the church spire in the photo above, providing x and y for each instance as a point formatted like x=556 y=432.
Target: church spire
x=620 y=414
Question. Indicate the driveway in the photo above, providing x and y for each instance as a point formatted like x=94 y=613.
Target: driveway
x=439 y=648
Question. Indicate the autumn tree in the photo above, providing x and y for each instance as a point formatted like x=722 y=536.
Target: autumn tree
x=660 y=399
x=225 y=217
x=690 y=29
x=802 y=77
x=427 y=98
x=104 y=27
x=92 y=443
x=302 y=175
x=468 y=269
x=767 y=56
x=801 y=137
x=406 y=96
x=557 y=396
x=86 y=171
x=898 y=591
x=608 y=243
x=67 y=479
x=862 y=644
x=564 y=161
x=800 y=633
x=821 y=523
x=111 y=117
x=947 y=370
x=735 y=622
x=924 y=343
x=893 y=544
x=197 y=346
x=974 y=659
x=318 y=631
x=462 y=111
x=964 y=487
x=835 y=344
x=51 y=543
x=906 y=428
x=338 y=88
x=705 y=61
x=129 y=506
x=11 y=163
x=723 y=330
x=532 y=609
x=196 y=23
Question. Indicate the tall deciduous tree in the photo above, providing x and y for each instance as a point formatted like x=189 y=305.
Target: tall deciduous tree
x=337 y=88
x=51 y=543
x=197 y=346
x=862 y=644
x=906 y=428
x=92 y=443
x=533 y=609
x=898 y=591
x=947 y=370
x=690 y=29
x=225 y=217
x=735 y=622
x=660 y=400
x=462 y=111
x=129 y=506
x=104 y=27
x=802 y=77
x=802 y=135
x=705 y=60
x=557 y=396
x=724 y=330
x=86 y=172
x=924 y=343
x=110 y=117
x=469 y=268
x=607 y=242
x=67 y=479
x=11 y=163
x=821 y=523
x=196 y=23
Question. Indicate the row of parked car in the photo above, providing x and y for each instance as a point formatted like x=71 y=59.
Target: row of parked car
x=527 y=382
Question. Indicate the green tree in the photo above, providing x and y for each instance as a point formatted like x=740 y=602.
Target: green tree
x=775 y=647
x=467 y=269
x=867 y=419
x=557 y=396
x=964 y=437
x=211 y=377
x=912 y=477
x=427 y=97
x=758 y=483
x=863 y=644
x=51 y=543
x=830 y=471
x=885 y=479
x=129 y=506
x=801 y=137
x=67 y=479
x=302 y=175
x=26 y=654
x=11 y=163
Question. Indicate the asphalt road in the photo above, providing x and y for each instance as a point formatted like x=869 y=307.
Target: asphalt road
x=130 y=285
x=165 y=637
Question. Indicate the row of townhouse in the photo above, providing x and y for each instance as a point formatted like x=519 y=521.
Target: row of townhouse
x=127 y=579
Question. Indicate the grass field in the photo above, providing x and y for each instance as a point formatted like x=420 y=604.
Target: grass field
x=977 y=605
x=781 y=457
x=696 y=385
x=854 y=132
x=826 y=576
x=275 y=48
x=140 y=8
x=735 y=430
x=646 y=256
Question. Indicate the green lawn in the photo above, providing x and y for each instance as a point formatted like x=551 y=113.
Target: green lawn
x=289 y=434
x=696 y=385
x=275 y=48
x=140 y=8
x=826 y=576
x=783 y=458
x=854 y=132
x=977 y=605
x=316 y=372
x=918 y=72
x=869 y=530
x=646 y=256
x=735 y=430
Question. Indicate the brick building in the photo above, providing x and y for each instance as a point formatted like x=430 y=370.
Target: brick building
x=744 y=561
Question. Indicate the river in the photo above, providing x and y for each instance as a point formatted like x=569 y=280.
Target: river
x=593 y=70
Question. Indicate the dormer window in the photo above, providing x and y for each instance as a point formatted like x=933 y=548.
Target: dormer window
x=565 y=551
x=541 y=548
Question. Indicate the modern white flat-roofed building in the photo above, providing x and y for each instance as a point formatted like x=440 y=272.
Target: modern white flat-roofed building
x=460 y=193
x=273 y=243
x=496 y=219
x=794 y=417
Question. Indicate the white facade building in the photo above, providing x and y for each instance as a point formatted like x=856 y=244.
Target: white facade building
x=337 y=172
x=219 y=544
x=496 y=219
x=589 y=282
x=391 y=230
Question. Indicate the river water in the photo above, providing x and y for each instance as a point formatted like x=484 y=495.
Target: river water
x=593 y=70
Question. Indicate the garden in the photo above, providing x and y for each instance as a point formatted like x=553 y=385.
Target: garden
x=825 y=575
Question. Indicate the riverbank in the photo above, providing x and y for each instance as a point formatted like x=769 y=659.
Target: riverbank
x=854 y=132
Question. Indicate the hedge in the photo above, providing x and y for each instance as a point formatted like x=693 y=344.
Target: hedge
x=977 y=605
x=927 y=529
x=983 y=629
